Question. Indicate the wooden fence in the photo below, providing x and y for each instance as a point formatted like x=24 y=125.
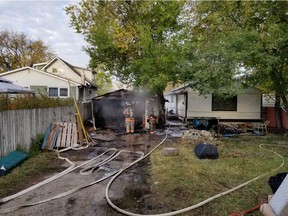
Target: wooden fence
x=18 y=127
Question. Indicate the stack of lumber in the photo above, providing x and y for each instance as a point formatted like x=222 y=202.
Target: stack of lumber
x=61 y=135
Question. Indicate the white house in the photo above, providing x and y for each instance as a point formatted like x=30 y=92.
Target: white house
x=56 y=78
x=187 y=104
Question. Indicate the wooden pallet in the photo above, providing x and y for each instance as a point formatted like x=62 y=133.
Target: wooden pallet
x=60 y=135
x=67 y=135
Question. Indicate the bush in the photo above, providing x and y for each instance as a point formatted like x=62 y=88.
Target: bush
x=32 y=102
x=36 y=144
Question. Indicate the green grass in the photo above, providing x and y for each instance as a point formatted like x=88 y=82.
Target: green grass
x=31 y=170
x=184 y=180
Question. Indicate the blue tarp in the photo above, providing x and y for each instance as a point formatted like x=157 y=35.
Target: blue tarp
x=10 y=161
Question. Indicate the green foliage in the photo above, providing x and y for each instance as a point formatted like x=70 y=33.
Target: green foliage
x=246 y=39
x=136 y=40
x=32 y=102
x=36 y=143
x=103 y=79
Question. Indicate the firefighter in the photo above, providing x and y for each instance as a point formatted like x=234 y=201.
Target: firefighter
x=152 y=121
x=129 y=119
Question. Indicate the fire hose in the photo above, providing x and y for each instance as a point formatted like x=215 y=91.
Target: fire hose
x=110 y=158
x=125 y=212
x=69 y=169
x=119 y=172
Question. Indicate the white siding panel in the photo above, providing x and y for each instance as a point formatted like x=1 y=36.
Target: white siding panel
x=27 y=78
x=63 y=71
x=248 y=107
x=197 y=103
x=88 y=73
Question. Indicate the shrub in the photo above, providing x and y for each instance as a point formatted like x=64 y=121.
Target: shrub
x=32 y=102
x=36 y=143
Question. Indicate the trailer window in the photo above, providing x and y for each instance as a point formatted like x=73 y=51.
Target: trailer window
x=224 y=104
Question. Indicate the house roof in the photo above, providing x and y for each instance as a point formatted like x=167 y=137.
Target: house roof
x=179 y=90
x=6 y=86
x=71 y=67
x=119 y=94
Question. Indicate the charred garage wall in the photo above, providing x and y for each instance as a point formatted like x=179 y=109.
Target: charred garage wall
x=108 y=109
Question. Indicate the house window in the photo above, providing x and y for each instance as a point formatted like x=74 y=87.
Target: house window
x=53 y=92
x=63 y=92
x=224 y=104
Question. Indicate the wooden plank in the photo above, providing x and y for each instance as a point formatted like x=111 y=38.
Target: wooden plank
x=50 y=139
x=74 y=135
x=43 y=146
x=79 y=130
x=64 y=134
x=58 y=144
x=69 y=132
x=55 y=137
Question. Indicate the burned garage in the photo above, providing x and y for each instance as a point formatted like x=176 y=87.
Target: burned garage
x=108 y=109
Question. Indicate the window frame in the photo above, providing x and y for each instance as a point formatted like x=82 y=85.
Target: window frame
x=53 y=88
x=60 y=95
x=223 y=102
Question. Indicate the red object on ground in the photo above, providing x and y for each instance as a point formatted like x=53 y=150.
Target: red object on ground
x=248 y=210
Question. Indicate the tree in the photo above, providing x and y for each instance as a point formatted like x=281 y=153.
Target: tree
x=138 y=41
x=244 y=39
x=18 y=50
x=103 y=80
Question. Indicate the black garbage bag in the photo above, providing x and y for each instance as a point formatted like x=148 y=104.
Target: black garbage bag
x=275 y=181
x=206 y=151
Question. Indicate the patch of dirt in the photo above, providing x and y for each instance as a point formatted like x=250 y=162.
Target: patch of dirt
x=130 y=190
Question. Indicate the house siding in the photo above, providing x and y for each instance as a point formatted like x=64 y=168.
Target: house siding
x=63 y=71
x=248 y=106
x=38 y=80
x=88 y=73
x=270 y=116
x=40 y=89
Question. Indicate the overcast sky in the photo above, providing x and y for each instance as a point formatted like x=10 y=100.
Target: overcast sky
x=45 y=20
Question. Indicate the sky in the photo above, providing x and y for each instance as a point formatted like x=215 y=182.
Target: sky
x=45 y=20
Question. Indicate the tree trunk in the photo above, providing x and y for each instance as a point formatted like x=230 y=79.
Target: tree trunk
x=278 y=113
x=161 y=108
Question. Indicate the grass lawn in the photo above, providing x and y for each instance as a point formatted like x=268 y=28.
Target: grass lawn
x=176 y=182
x=184 y=180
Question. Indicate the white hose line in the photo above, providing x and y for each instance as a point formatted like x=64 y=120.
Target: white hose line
x=70 y=169
x=190 y=207
x=91 y=169
x=7 y=210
